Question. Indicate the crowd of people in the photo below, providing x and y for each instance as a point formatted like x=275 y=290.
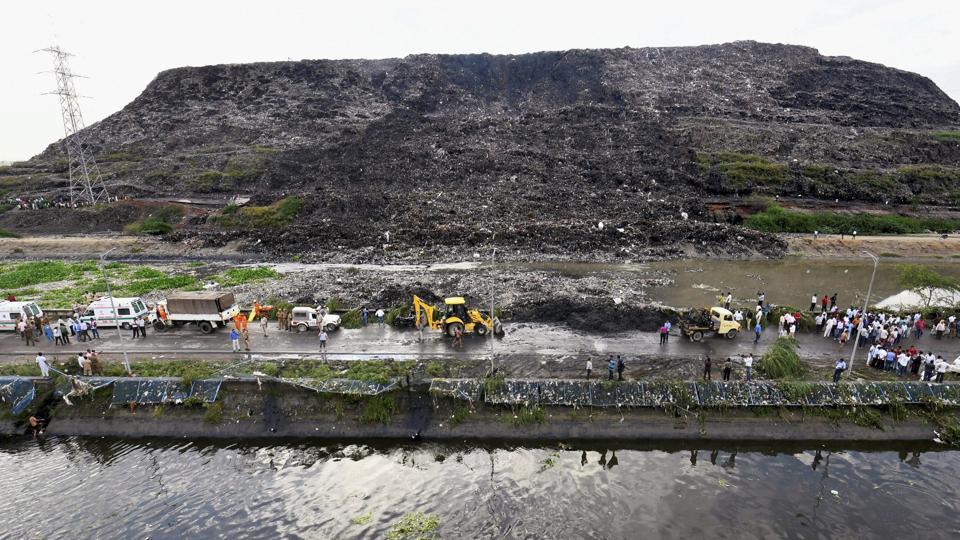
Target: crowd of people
x=40 y=203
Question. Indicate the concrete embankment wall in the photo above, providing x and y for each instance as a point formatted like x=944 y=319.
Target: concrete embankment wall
x=247 y=409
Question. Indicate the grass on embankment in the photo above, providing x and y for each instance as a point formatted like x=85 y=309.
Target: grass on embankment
x=190 y=370
x=26 y=280
x=776 y=219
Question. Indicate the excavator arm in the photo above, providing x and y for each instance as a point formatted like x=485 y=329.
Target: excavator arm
x=423 y=309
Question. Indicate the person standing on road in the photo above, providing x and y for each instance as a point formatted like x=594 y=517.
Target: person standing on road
x=761 y=297
x=706 y=368
x=28 y=335
x=727 y=301
x=48 y=331
x=142 y=325
x=941 y=365
x=813 y=303
x=322 y=336
x=940 y=328
x=748 y=364
x=727 y=369
x=611 y=366
x=380 y=316
x=833 y=301
x=281 y=320
x=757 y=330
x=245 y=336
x=824 y=304
x=93 y=329
x=64 y=333
x=838 y=370
x=235 y=339
x=264 y=321
x=663 y=333
x=666 y=336
x=589 y=367
x=364 y=315
x=42 y=362
x=621 y=365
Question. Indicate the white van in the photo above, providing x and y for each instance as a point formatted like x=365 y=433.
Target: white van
x=128 y=309
x=11 y=311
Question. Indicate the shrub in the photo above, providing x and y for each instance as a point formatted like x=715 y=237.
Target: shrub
x=7 y=234
x=273 y=216
x=378 y=409
x=781 y=361
x=159 y=222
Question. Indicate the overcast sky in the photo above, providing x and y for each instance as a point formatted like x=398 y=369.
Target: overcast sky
x=122 y=45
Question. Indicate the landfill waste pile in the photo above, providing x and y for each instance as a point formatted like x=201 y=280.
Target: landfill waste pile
x=583 y=154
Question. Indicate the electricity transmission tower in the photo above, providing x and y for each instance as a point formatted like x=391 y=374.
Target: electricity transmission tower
x=86 y=184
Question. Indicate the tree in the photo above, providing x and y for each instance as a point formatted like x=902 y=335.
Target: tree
x=926 y=282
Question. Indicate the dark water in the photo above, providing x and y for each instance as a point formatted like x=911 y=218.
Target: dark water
x=94 y=488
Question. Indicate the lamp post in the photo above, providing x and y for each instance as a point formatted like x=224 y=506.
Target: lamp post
x=493 y=257
x=113 y=307
x=866 y=303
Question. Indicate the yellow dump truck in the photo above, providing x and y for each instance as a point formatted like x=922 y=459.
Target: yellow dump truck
x=716 y=321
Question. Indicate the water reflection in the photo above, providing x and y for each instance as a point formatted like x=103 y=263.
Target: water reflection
x=178 y=489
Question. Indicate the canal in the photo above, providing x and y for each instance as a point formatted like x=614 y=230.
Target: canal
x=102 y=488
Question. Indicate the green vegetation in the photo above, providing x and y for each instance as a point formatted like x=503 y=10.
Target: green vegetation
x=7 y=234
x=378 y=409
x=414 y=526
x=436 y=369
x=947 y=136
x=239 y=276
x=776 y=219
x=493 y=384
x=460 y=413
x=527 y=416
x=157 y=223
x=744 y=171
x=16 y=276
x=351 y=320
x=781 y=361
x=163 y=283
x=362 y=519
x=796 y=391
x=397 y=313
x=273 y=216
x=214 y=414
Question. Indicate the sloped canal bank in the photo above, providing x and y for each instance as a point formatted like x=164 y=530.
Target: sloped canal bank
x=488 y=409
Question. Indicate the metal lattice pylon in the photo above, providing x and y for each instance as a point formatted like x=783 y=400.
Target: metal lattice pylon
x=86 y=184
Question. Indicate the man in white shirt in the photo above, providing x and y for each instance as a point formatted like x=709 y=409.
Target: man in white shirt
x=840 y=368
x=748 y=363
x=42 y=362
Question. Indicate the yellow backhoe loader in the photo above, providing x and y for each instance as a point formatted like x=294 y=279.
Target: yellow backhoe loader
x=457 y=316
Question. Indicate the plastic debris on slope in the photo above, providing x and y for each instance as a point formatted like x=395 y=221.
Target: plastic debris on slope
x=18 y=392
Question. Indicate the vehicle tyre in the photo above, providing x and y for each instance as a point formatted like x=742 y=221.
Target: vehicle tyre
x=205 y=327
x=697 y=336
x=301 y=328
x=159 y=326
x=452 y=328
x=125 y=326
x=731 y=334
x=480 y=329
x=331 y=328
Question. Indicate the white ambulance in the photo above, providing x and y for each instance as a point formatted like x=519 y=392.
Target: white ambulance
x=128 y=309
x=11 y=311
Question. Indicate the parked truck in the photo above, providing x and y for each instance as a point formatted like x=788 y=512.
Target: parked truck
x=716 y=321
x=207 y=310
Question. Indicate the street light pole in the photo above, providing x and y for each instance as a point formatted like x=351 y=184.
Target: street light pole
x=116 y=316
x=493 y=258
x=866 y=303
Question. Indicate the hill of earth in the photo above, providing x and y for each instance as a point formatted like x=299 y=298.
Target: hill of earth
x=618 y=153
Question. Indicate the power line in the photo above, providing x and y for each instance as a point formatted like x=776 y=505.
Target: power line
x=86 y=183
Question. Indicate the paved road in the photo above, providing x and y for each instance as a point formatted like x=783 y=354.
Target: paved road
x=522 y=340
